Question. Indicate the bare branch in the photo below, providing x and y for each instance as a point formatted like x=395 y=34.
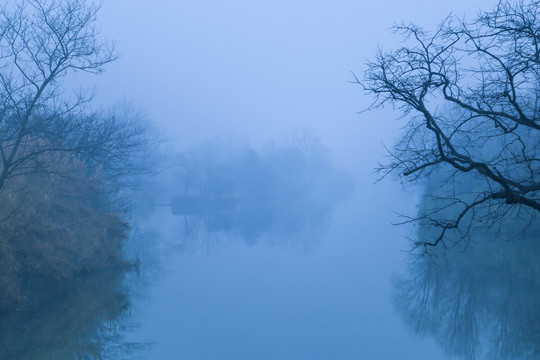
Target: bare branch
x=470 y=95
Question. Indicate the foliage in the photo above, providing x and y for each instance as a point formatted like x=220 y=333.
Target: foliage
x=55 y=228
x=62 y=167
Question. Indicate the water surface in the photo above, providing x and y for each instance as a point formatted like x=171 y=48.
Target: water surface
x=322 y=297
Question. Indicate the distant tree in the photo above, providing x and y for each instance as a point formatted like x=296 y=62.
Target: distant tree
x=288 y=188
x=42 y=41
x=470 y=94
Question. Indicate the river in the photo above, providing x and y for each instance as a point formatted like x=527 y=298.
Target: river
x=324 y=297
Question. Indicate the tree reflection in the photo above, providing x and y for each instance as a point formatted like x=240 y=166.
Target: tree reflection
x=84 y=319
x=481 y=297
x=282 y=191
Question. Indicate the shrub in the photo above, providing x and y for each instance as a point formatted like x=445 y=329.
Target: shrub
x=54 y=227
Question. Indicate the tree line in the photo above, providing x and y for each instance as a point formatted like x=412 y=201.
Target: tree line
x=62 y=165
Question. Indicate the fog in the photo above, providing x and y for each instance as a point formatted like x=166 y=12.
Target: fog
x=253 y=72
x=284 y=192
x=264 y=232
x=478 y=298
x=257 y=69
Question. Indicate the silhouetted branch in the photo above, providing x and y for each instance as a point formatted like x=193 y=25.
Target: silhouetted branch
x=470 y=95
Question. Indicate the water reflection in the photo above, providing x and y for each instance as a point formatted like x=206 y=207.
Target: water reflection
x=84 y=319
x=221 y=189
x=480 y=298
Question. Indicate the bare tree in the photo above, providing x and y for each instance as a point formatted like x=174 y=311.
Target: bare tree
x=42 y=41
x=470 y=94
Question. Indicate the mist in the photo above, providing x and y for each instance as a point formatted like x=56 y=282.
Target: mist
x=237 y=183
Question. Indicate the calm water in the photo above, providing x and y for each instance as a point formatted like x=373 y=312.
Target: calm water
x=326 y=294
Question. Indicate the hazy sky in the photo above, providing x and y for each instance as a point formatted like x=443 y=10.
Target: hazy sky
x=258 y=68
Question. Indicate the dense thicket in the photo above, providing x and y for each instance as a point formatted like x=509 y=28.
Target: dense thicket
x=54 y=228
x=61 y=165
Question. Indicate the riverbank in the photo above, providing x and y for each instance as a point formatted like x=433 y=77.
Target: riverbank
x=54 y=228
